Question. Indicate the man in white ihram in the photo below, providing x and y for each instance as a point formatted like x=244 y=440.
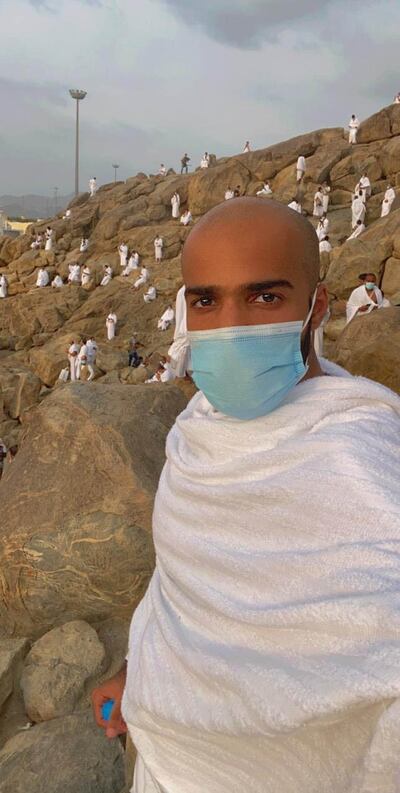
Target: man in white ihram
x=388 y=199
x=265 y=655
x=365 y=298
x=300 y=167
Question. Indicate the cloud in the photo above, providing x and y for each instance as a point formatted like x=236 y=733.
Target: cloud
x=243 y=23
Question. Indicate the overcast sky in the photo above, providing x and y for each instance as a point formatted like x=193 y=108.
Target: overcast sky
x=168 y=76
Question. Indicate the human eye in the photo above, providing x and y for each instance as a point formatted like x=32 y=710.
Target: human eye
x=267 y=297
x=203 y=302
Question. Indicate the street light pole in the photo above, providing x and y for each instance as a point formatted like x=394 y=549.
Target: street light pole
x=78 y=95
x=115 y=172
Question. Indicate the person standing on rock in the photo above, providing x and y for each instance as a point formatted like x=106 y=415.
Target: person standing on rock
x=246 y=148
x=84 y=245
x=158 y=248
x=325 y=189
x=364 y=187
x=123 y=254
x=91 y=354
x=358 y=209
x=162 y=171
x=358 y=229
x=38 y=242
x=318 y=208
x=49 y=235
x=92 y=186
x=143 y=278
x=185 y=163
x=108 y=274
x=229 y=193
x=205 y=160
x=111 y=324
x=74 y=276
x=3 y=286
x=81 y=358
x=175 y=203
x=179 y=351
x=353 y=129
x=72 y=353
x=388 y=199
x=264 y=655
x=300 y=168
x=322 y=227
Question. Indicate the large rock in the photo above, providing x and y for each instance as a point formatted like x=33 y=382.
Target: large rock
x=75 y=541
x=12 y=652
x=58 y=667
x=19 y=388
x=67 y=755
x=370 y=345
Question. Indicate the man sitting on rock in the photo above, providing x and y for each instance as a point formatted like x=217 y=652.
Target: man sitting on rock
x=166 y=318
x=43 y=278
x=358 y=229
x=150 y=295
x=265 y=655
x=325 y=245
x=365 y=298
x=143 y=278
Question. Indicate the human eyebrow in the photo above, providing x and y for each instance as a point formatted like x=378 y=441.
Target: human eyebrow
x=200 y=290
x=259 y=286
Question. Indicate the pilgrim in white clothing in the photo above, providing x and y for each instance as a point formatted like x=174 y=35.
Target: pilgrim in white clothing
x=175 y=203
x=73 y=359
x=186 y=218
x=49 y=234
x=150 y=295
x=108 y=274
x=143 y=278
x=37 y=243
x=111 y=323
x=325 y=246
x=229 y=193
x=325 y=189
x=84 y=245
x=166 y=319
x=366 y=297
x=91 y=357
x=158 y=248
x=92 y=186
x=357 y=210
x=358 y=229
x=364 y=187
x=246 y=148
x=162 y=171
x=205 y=160
x=81 y=360
x=387 y=202
x=300 y=167
x=318 y=208
x=43 y=278
x=74 y=276
x=57 y=282
x=353 y=129
x=322 y=227
x=265 y=190
x=123 y=254
x=3 y=285
x=295 y=205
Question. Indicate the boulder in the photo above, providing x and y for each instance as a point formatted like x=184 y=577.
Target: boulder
x=66 y=755
x=75 y=542
x=207 y=186
x=109 y=359
x=391 y=280
x=369 y=345
x=58 y=667
x=12 y=653
x=19 y=387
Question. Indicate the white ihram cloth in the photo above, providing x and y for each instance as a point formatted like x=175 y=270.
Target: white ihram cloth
x=362 y=297
x=265 y=655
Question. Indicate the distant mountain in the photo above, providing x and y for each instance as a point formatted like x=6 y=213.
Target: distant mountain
x=33 y=206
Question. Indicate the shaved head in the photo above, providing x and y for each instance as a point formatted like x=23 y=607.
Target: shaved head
x=263 y=227
x=252 y=261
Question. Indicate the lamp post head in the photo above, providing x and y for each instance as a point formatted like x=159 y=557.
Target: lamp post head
x=77 y=94
x=115 y=166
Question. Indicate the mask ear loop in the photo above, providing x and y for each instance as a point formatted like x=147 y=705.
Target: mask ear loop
x=309 y=315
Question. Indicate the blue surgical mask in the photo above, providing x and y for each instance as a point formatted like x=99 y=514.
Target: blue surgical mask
x=247 y=371
x=369 y=285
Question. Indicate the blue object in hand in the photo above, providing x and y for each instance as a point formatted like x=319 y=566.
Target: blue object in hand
x=106 y=709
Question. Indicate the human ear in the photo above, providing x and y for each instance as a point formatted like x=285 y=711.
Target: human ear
x=320 y=307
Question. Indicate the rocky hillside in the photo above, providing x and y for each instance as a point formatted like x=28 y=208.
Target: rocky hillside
x=75 y=535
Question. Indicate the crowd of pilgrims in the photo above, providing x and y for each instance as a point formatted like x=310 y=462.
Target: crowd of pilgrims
x=81 y=354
